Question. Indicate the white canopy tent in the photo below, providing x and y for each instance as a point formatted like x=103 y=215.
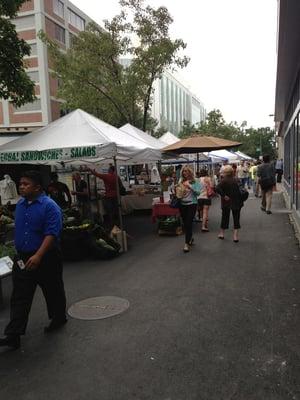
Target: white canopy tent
x=225 y=155
x=78 y=138
x=168 y=138
x=149 y=140
x=243 y=156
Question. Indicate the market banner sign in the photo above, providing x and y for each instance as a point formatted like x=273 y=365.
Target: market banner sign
x=73 y=153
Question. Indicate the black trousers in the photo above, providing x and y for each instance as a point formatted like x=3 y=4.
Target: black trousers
x=226 y=216
x=279 y=173
x=49 y=277
x=187 y=214
x=112 y=212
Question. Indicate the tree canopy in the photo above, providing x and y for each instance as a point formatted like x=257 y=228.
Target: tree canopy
x=15 y=84
x=255 y=141
x=110 y=72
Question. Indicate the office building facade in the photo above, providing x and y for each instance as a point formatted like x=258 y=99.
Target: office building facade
x=174 y=103
x=60 y=19
x=287 y=103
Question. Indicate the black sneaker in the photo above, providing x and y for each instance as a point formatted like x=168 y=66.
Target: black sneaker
x=262 y=209
x=269 y=212
x=55 y=325
x=10 y=341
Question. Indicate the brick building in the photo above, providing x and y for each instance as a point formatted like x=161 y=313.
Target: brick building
x=60 y=19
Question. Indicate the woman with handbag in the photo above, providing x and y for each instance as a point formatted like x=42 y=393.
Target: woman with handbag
x=231 y=200
x=204 y=199
x=187 y=190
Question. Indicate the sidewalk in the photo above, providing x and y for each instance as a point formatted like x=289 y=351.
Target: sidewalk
x=219 y=323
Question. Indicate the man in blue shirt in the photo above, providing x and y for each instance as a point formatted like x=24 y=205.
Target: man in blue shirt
x=38 y=225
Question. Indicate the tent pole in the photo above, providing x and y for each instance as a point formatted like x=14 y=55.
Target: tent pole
x=119 y=204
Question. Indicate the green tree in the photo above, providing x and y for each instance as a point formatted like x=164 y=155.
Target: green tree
x=15 y=84
x=188 y=129
x=215 y=125
x=157 y=133
x=255 y=142
x=95 y=75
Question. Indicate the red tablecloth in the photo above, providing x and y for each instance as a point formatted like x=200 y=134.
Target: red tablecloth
x=163 y=210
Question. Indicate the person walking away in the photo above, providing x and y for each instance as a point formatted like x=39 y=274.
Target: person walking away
x=240 y=173
x=257 y=185
x=38 y=225
x=253 y=176
x=247 y=174
x=229 y=190
x=267 y=180
x=188 y=190
x=82 y=195
x=204 y=200
x=110 y=202
x=279 y=169
x=59 y=192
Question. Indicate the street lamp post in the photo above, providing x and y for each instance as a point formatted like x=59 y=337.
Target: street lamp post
x=260 y=145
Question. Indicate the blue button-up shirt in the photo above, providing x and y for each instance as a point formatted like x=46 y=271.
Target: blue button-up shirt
x=35 y=220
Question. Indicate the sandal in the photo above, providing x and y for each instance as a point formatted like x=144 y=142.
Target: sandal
x=221 y=237
x=204 y=230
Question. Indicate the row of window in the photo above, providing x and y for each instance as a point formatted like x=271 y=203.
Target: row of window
x=292 y=149
x=34 y=106
x=22 y=23
x=73 y=18
x=34 y=76
x=28 y=22
x=292 y=161
x=295 y=97
x=178 y=105
x=175 y=106
x=59 y=33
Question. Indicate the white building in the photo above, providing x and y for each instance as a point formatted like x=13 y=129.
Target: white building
x=174 y=103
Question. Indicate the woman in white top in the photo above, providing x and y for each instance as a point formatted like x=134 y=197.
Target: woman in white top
x=204 y=200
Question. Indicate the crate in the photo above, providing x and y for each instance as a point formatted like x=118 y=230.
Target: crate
x=176 y=232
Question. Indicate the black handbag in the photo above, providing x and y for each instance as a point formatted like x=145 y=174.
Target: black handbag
x=243 y=193
x=175 y=202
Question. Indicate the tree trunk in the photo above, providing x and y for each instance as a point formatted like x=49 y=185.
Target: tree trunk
x=146 y=105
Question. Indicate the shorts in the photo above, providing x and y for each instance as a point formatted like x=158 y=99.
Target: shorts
x=204 y=202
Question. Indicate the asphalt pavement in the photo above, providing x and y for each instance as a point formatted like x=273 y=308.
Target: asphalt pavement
x=218 y=323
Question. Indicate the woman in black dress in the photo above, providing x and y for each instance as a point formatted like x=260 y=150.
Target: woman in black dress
x=229 y=190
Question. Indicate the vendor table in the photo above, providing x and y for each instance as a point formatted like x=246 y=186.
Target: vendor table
x=133 y=202
x=163 y=210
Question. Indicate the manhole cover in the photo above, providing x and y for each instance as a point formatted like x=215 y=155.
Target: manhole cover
x=98 y=308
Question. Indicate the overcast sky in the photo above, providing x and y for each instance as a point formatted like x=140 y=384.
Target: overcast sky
x=232 y=46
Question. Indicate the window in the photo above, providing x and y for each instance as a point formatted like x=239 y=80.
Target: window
x=298 y=163
x=76 y=20
x=33 y=51
x=35 y=106
x=58 y=8
x=72 y=38
x=287 y=158
x=59 y=34
x=22 y=23
x=34 y=76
